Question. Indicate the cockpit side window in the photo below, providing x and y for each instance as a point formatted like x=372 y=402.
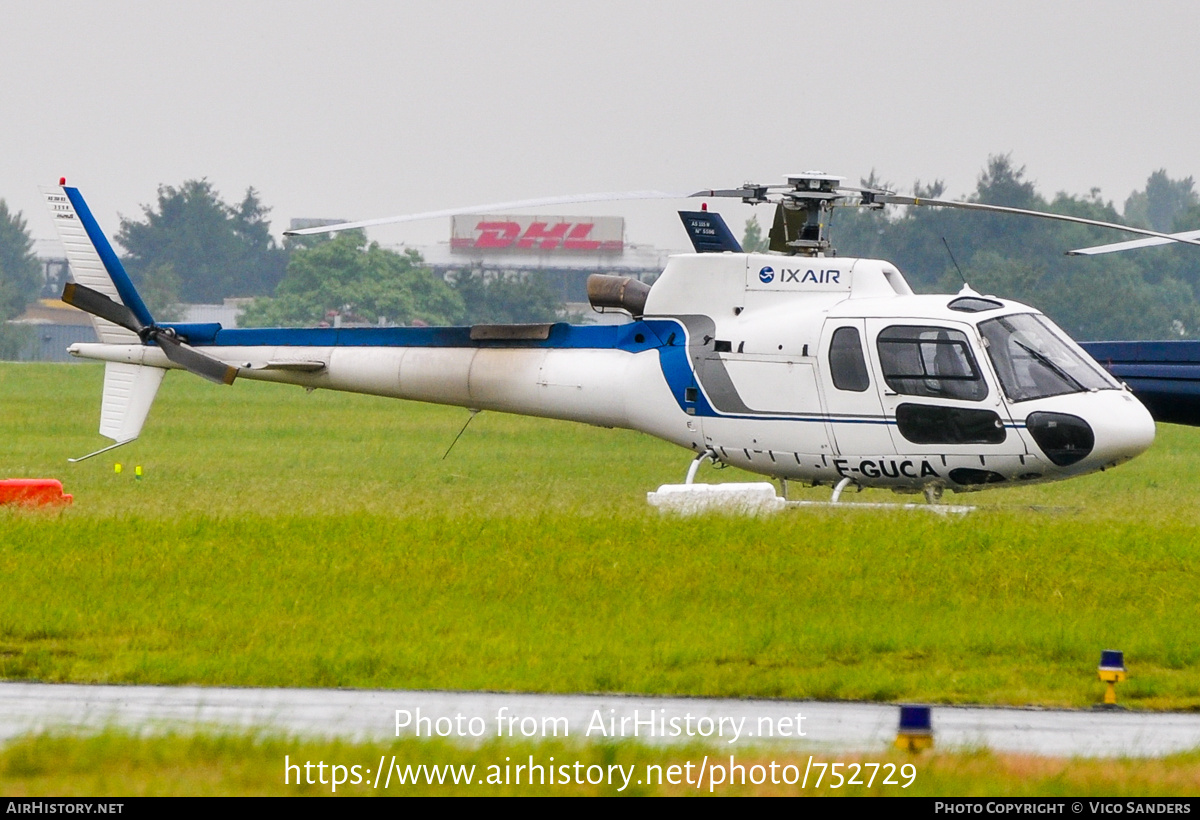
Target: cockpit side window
x=847 y=365
x=930 y=361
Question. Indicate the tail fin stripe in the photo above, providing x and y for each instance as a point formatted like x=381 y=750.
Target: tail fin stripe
x=108 y=257
x=86 y=267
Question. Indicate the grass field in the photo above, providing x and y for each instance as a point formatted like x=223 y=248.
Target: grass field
x=285 y=539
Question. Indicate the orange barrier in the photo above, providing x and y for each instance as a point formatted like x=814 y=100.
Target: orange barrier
x=33 y=491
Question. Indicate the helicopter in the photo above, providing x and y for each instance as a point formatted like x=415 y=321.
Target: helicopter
x=796 y=364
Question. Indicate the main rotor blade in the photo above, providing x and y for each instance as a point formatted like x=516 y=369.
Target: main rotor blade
x=1133 y=243
x=749 y=193
x=979 y=206
x=715 y=192
x=483 y=209
x=193 y=361
x=744 y=191
x=97 y=304
x=858 y=190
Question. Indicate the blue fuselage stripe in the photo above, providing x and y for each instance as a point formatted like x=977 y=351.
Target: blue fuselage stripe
x=632 y=338
x=667 y=336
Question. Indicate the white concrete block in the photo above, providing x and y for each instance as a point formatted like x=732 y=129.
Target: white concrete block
x=756 y=498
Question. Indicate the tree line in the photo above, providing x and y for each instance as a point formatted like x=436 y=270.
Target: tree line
x=20 y=278
x=190 y=246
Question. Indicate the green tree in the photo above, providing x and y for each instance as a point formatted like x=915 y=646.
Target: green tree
x=753 y=240
x=1002 y=184
x=500 y=298
x=215 y=249
x=358 y=282
x=20 y=271
x=1162 y=201
x=20 y=280
x=159 y=289
x=1187 y=220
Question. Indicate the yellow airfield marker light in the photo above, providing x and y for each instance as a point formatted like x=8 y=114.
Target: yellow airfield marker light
x=117 y=468
x=916 y=728
x=137 y=472
x=1112 y=671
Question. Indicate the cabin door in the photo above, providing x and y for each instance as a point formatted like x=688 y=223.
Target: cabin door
x=854 y=412
x=944 y=401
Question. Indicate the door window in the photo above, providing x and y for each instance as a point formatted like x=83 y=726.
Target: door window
x=935 y=362
x=847 y=365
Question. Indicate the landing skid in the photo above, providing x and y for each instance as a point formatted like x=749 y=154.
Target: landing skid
x=758 y=498
x=933 y=494
x=939 y=509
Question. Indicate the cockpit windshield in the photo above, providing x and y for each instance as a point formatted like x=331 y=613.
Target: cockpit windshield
x=1033 y=360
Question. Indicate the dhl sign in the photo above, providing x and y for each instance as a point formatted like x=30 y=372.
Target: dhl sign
x=537 y=234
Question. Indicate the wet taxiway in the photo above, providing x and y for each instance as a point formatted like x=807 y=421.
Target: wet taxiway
x=475 y=717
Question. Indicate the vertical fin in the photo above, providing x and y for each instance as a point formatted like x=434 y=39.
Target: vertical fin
x=708 y=232
x=129 y=390
x=87 y=266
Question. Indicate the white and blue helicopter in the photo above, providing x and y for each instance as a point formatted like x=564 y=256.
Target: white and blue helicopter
x=796 y=364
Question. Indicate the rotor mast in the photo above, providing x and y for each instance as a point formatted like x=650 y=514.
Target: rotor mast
x=802 y=215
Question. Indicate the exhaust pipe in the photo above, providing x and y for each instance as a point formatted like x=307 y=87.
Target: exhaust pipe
x=620 y=292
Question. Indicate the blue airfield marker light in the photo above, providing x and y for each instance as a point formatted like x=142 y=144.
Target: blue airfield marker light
x=916 y=728
x=1112 y=671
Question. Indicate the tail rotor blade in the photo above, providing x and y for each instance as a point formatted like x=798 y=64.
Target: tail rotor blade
x=97 y=304
x=193 y=361
x=190 y=359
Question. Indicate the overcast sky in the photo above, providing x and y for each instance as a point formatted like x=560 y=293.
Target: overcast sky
x=367 y=109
